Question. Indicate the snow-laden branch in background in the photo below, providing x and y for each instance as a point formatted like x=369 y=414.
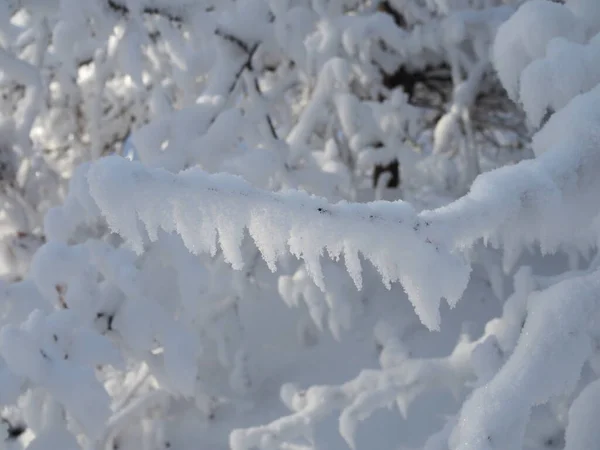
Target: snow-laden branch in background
x=545 y=73
x=567 y=70
x=55 y=353
x=25 y=73
x=516 y=46
x=400 y=382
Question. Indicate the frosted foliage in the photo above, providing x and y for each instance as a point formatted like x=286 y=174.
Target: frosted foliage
x=298 y=225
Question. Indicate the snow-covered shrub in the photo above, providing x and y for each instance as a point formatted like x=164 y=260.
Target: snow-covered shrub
x=261 y=138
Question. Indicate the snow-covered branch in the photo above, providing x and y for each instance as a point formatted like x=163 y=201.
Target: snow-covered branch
x=205 y=209
x=512 y=206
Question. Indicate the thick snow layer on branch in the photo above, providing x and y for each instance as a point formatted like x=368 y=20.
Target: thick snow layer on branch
x=524 y=37
x=536 y=200
x=556 y=340
x=205 y=208
x=568 y=69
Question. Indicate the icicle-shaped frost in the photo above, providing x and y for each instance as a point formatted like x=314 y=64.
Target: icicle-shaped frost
x=198 y=206
x=108 y=195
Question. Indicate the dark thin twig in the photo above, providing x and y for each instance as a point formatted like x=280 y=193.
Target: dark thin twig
x=116 y=6
x=269 y=120
x=233 y=39
x=250 y=52
x=247 y=65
